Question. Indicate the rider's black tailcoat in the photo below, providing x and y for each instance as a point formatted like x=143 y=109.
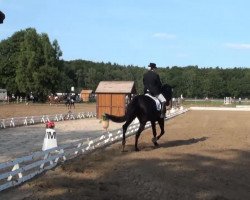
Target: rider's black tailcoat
x=152 y=82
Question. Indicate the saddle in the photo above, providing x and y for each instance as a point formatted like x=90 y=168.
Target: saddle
x=157 y=101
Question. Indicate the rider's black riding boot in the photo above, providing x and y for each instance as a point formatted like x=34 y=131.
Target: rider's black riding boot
x=163 y=109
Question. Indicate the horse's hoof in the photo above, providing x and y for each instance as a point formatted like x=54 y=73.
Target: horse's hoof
x=156 y=144
x=154 y=139
x=123 y=147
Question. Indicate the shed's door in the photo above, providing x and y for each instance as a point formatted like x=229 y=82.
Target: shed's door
x=118 y=104
x=103 y=104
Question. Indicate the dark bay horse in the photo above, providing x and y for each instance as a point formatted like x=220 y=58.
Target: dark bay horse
x=144 y=108
x=70 y=101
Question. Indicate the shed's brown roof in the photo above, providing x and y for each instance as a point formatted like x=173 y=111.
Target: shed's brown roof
x=86 y=91
x=124 y=87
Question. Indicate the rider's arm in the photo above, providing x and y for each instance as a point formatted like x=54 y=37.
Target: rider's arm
x=158 y=80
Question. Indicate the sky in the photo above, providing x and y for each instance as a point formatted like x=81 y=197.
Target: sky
x=206 y=33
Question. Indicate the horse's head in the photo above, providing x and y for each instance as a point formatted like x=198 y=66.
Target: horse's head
x=167 y=91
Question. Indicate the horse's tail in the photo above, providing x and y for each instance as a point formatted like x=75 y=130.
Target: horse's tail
x=117 y=119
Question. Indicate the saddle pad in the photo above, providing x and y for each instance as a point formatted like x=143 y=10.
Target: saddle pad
x=157 y=101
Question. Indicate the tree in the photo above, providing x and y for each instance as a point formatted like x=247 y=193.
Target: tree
x=30 y=63
x=9 y=53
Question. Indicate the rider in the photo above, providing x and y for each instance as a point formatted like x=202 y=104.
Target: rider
x=152 y=84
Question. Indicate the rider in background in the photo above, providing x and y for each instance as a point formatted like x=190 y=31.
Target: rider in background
x=152 y=85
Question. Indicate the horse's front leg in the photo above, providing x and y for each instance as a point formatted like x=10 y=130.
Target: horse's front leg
x=154 y=139
x=161 y=124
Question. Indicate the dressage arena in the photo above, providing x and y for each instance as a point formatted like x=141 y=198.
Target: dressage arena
x=203 y=155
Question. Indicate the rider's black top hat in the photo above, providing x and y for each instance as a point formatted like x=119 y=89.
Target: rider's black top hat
x=152 y=65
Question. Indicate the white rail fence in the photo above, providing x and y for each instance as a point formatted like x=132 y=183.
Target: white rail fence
x=15 y=172
x=25 y=121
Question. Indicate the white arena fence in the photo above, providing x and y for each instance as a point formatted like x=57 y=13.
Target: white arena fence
x=15 y=172
x=25 y=121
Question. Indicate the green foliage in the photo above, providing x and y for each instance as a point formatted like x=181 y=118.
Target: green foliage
x=30 y=63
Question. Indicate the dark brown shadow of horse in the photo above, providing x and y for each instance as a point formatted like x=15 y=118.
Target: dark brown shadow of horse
x=183 y=142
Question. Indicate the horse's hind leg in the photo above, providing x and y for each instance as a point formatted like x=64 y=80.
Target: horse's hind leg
x=137 y=135
x=124 y=129
x=154 y=139
x=161 y=124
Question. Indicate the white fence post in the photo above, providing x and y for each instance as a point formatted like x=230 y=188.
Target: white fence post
x=2 y=125
x=16 y=166
x=32 y=120
x=25 y=121
x=12 y=122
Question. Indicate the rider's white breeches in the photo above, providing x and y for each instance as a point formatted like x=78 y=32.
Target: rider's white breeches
x=161 y=98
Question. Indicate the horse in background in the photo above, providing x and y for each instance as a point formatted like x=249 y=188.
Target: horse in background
x=70 y=102
x=144 y=108
x=54 y=99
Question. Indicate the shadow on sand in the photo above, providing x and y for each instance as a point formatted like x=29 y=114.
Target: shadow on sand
x=183 y=142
